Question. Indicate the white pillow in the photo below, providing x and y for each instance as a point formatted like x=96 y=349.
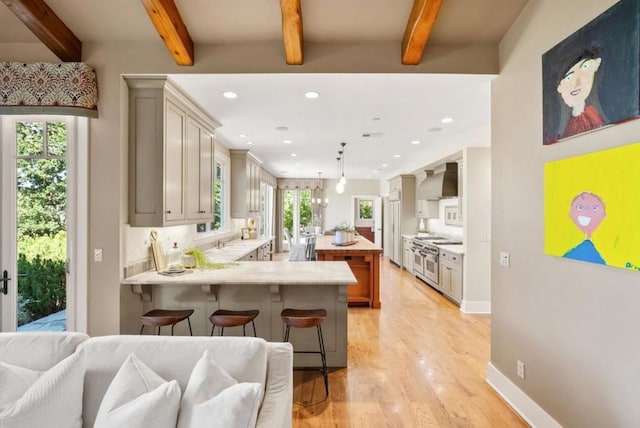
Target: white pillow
x=138 y=398
x=14 y=382
x=214 y=399
x=53 y=400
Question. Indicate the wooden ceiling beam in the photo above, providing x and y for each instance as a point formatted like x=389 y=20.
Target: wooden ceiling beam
x=292 y=30
x=166 y=18
x=45 y=24
x=421 y=21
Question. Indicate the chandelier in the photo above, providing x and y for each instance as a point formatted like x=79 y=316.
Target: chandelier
x=341 y=180
x=318 y=201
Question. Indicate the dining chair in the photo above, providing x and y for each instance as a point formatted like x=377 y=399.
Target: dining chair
x=310 y=251
x=297 y=252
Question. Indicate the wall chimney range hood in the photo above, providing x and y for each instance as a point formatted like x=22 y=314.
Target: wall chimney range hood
x=438 y=185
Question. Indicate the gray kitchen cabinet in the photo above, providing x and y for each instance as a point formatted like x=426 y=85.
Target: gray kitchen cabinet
x=245 y=184
x=450 y=281
x=407 y=259
x=426 y=209
x=264 y=252
x=200 y=175
x=168 y=133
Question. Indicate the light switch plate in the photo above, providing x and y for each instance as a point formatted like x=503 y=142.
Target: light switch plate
x=504 y=259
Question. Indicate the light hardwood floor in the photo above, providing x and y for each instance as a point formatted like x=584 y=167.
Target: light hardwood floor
x=417 y=362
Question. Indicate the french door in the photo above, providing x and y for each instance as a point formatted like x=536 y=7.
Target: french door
x=297 y=213
x=39 y=224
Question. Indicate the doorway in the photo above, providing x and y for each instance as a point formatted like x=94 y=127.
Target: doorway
x=367 y=217
x=40 y=223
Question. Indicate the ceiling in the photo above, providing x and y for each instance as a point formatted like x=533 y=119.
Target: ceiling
x=408 y=107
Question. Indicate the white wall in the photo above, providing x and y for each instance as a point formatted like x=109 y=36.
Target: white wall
x=573 y=324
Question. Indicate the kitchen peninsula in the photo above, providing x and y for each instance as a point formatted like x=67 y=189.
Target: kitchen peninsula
x=363 y=257
x=264 y=285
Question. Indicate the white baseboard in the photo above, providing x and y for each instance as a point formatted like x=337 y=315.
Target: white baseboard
x=521 y=403
x=475 y=307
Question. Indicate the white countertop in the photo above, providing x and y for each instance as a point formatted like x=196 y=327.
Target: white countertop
x=458 y=249
x=234 y=250
x=256 y=273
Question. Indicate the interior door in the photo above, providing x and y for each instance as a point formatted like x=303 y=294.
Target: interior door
x=33 y=256
x=377 y=221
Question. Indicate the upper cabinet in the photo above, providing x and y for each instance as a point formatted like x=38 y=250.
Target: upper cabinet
x=171 y=146
x=245 y=184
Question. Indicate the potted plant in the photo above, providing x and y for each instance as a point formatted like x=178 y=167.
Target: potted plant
x=344 y=233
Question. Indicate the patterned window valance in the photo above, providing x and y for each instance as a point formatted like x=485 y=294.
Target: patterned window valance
x=69 y=88
x=299 y=183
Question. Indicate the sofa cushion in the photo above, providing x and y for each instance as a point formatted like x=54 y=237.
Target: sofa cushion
x=38 y=350
x=138 y=398
x=214 y=399
x=53 y=400
x=243 y=358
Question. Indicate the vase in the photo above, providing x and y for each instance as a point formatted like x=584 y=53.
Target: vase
x=341 y=237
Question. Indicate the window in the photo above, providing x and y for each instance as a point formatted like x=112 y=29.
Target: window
x=297 y=212
x=365 y=211
x=220 y=186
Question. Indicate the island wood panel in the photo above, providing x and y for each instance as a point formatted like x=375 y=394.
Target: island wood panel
x=363 y=257
x=366 y=232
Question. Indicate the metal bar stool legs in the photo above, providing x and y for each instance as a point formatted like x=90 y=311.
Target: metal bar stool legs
x=302 y=318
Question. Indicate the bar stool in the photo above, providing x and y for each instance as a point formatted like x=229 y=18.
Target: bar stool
x=227 y=318
x=162 y=317
x=306 y=318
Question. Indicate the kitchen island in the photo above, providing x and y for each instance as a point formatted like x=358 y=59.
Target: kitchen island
x=363 y=257
x=267 y=286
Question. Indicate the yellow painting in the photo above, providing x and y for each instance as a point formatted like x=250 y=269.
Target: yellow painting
x=592 y=207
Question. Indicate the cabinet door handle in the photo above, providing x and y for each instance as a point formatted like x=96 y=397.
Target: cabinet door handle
x=201 y=212
x=168 y=212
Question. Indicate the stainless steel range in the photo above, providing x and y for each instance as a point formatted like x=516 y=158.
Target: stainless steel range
x=426 y=257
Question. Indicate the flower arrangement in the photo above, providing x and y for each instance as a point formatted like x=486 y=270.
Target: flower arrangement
x=343 y=227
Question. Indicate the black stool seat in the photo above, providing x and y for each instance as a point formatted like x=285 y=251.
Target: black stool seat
x=162 y=317
x=227 y=318
x=306 y=318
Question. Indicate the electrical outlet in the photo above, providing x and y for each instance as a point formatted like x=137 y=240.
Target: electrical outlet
x=97 y=255
x=520 y=369
x=504 y=259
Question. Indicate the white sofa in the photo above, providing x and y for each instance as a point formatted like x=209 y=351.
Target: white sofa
x=246 y=359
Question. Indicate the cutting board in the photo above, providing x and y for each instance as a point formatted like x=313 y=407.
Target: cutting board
x=158 y=253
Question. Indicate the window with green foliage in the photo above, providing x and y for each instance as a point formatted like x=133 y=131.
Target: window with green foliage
x=219 y=210
x=366 y=210
x=297 y=211
x=41 y=169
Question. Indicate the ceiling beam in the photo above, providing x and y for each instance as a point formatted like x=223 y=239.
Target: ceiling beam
x=45 y=24
x=168 y=22
x=292 y=30
x=423 y=17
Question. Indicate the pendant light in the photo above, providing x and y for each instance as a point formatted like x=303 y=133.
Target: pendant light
x=341 y=180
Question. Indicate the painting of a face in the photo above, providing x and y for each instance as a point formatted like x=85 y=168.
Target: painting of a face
x=576 y=84
x=587 y=212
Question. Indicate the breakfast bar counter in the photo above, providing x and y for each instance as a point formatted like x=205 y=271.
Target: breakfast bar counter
x=269 y=287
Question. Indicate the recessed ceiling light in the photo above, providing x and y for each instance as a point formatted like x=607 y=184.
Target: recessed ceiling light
x=384 y=165
x=250 y=143
x=282 y=128
x=230 y=95
x=447 y=120
x=311 y=95
x=415 y=142
x=396 y=156
x=375 y=119
x=286 y=141
x=435 y=129
x=297 y=163
x=243 y=135
x=293 y=155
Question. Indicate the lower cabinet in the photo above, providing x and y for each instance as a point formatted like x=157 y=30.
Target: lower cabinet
x=251 y=257
x=366 y=268
x=264 y=252
x=407 y=255
x=451 y=275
